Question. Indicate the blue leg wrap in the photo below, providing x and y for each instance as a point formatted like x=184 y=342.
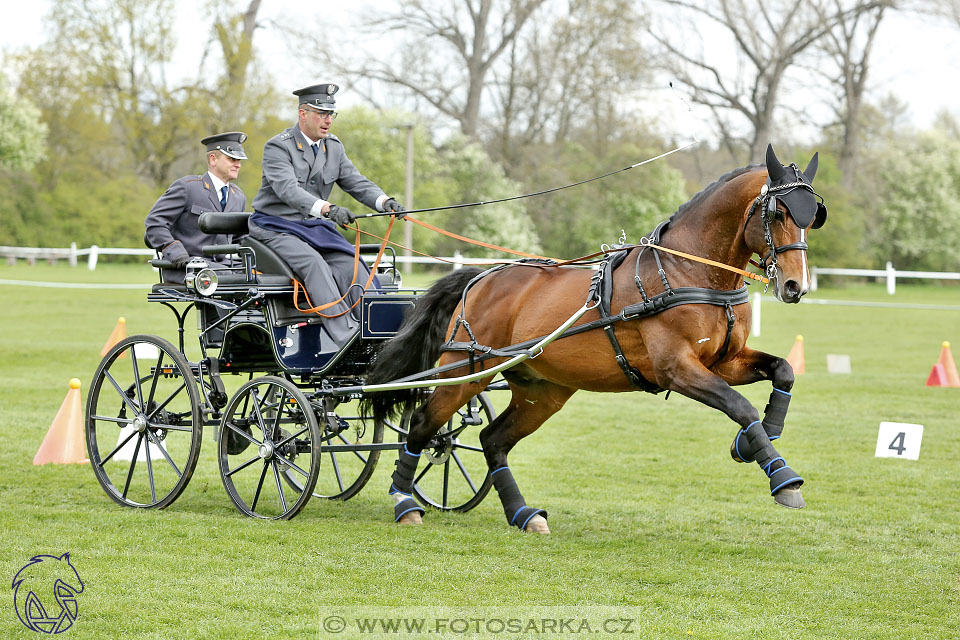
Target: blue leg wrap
x=781 y=476
x=775 y=412
x=403 y=483
x=514 y=508
x=752 y=444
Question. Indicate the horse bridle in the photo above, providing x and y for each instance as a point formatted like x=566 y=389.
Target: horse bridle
x=767 y=202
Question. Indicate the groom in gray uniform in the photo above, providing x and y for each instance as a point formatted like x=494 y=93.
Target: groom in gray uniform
x=172 y=226
x=293 y=217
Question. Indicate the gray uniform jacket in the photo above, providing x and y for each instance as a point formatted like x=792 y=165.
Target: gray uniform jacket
x=293 y=180
x=176 y=214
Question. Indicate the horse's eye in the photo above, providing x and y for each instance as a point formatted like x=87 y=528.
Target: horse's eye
x=779 y=215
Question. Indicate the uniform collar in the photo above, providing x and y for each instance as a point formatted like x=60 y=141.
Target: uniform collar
x=218 y=184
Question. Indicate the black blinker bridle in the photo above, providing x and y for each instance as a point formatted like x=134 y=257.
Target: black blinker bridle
x=767 y=202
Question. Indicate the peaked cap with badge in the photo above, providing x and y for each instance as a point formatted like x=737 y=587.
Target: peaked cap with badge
x=229 y=143
x=319 y=96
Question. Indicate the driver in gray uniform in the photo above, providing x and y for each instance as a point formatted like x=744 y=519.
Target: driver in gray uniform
x=293 y=217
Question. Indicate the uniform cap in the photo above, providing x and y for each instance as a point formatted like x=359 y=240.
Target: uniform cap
x=319 y=96
x=230 y=144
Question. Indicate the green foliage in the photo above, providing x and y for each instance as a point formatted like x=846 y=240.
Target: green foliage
x=841 y=242
x=22 y=134
x=916 y=224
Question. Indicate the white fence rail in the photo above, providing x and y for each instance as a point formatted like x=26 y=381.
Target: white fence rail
x=889 y=274
x=72 y=253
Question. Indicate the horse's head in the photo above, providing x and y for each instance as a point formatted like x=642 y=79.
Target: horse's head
x=778 y=222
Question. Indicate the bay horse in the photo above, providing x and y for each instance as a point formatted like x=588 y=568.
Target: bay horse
x=696 y=348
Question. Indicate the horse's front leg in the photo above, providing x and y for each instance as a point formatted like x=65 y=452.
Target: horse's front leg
x=750 y=366
x=685 y=374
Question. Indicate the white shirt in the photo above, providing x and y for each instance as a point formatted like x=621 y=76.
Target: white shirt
x=218 y=184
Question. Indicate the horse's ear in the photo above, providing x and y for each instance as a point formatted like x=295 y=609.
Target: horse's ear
x=774 y=168
x=811 y=169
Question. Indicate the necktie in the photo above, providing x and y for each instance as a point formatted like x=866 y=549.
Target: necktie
x=223 y=197
x=316 y=149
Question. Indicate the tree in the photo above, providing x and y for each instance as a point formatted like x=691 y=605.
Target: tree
x=849 y=45
x=447 y=51
x=917 y=225
x=766 y=39
x=22 y=134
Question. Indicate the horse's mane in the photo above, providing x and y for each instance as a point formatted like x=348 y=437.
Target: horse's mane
x=710 y=188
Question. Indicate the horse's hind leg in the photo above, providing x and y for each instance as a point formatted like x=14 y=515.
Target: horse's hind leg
x=425 y=422
x=530 y=406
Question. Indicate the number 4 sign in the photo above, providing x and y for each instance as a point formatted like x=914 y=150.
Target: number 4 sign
x=899 y=440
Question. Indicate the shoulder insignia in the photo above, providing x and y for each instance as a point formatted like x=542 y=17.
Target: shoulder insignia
x=192 y=178
x=330 y=136
x=285 y=135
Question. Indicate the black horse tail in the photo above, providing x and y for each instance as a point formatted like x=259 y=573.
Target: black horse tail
x=415 y=348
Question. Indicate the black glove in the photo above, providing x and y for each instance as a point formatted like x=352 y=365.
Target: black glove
x=392 y=206
x=341 y=215
x=176 y=254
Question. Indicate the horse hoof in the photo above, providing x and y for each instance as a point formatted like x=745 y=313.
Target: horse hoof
x=538 y=524
x=790 y=497
x=410 y=518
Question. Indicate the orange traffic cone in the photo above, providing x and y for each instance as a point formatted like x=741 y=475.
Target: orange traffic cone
x=795 y=358
x=944 y=373
x=63 y=443
x=119 y=333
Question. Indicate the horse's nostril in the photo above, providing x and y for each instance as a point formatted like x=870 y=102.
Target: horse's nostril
x=792 y=288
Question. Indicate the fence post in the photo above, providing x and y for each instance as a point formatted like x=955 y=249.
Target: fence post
x=755 y=308
x=891 y=278
x=813 y=279
x=92 y=258
x=73 y=254
x=457 y=260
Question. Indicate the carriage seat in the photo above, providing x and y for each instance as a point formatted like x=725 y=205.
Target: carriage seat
x=268 y=260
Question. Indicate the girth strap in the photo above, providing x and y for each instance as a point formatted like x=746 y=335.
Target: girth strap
x=605 y=274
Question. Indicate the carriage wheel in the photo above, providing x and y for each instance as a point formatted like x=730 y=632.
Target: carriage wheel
x=453 y=474
x=143 y=422
x=343 y=473
x=269 y=427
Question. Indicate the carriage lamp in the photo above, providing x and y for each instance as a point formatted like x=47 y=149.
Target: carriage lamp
x=205 y=282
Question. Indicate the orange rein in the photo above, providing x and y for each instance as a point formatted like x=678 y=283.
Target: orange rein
x=719 y=265
x=297 y=285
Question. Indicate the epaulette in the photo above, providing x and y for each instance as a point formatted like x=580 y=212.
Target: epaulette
x=192 y=178
x=285 y=135
x=330 y=136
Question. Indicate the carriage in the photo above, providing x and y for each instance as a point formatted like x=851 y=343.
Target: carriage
x=662 y=330
x=281 y=399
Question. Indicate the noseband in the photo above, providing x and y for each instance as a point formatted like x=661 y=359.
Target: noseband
x=767 y=203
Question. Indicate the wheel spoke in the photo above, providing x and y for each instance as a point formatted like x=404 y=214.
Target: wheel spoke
x=123 y=394
x=336 y=470
x=281 y=404
x=160 y=407
x=243 y=466
x=243 y=433
x=276 y=476
x=156 y=377
x=119 y=446
x=446 y=481
x=170 y=427
x=133 y=463
x=153 y=487
x=463 y=470
x=289 y=438
x=263 y=475
x=163 y=450
x=136 y=376
x=423 y=473
x=359 y=454
x=293 y=466
x=117 y=420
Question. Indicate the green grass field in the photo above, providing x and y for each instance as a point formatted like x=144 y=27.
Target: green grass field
x=651 y=520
